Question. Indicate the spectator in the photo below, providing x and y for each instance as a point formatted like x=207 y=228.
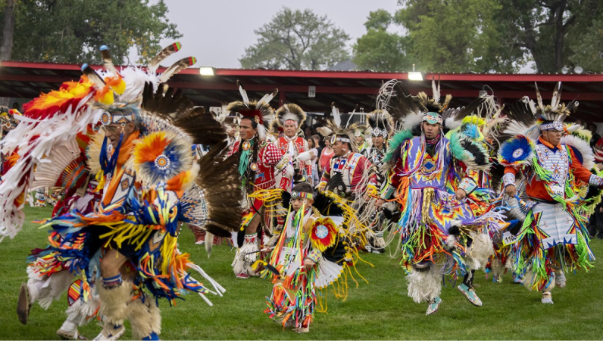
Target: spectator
x=326 y=155
x=581 y=122
x=312 y=148
x=595 y=137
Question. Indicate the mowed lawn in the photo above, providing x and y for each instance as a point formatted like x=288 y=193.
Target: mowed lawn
x=379 y=310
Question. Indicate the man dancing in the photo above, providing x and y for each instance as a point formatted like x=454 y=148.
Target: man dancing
x=259 y=163
x=554 y=235
x=434 y=222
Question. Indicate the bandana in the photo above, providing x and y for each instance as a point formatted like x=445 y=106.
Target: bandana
x=556 y=125
x=300 y=194
x=432 y=118
x=335 y=138
x=119 y=115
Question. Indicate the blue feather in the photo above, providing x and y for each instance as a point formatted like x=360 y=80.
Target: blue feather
x=517 y=149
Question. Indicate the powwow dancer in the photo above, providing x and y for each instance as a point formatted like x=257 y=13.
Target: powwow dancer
x=554 y=235
x=259 y=163
x=381 y=127
x=297 y=265
x=290 y=117
x=350 y=179
x=293 y=262
x=143 y=196
x=426 y=168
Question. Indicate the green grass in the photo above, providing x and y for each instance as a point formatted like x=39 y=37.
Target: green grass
x=379 y=310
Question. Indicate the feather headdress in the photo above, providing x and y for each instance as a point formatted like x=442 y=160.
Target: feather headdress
x=407 y=110
x=381 y=123
x=334 y=130
x=259 y=111
x=292 y=112
x=525 y=117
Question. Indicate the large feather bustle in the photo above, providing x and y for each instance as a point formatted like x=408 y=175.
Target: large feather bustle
x=453 y=117
x=473 y=154
x=171 y=111
x=406 y=110
x=135 y=78
x=219 y=179
x=290 y=111
x=94 y=151
x=582 y=147
x=161 y=156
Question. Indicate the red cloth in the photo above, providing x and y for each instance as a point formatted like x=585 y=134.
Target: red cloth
x=299 y=144
x=325 y=158
x=268 y=157
x=362 y=164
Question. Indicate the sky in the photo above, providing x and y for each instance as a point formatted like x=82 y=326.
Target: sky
x=217 y=32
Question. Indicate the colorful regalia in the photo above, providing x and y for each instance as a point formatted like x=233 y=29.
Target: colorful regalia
x=260 y=161
x=293 y=146
x=350 y=177
x=436 y=226
x=300 y=265
x=145 y=177
x=553 y=238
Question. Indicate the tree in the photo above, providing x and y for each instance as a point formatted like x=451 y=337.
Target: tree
x=71 y=31
x=549 y=30
x=6 y=47
x=378 y=49
x=454 y=35
x=296 y=40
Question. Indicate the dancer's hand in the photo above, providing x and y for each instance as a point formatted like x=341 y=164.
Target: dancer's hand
x=308 y=264
x=510 y=190
x=460 y=194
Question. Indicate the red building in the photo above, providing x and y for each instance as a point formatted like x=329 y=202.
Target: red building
x=346 y=88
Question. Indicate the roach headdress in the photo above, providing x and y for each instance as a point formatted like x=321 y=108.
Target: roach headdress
x=290 y=112
x=259 y=111
x=335 y=130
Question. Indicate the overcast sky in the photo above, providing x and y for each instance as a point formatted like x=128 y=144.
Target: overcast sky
x=216 y=32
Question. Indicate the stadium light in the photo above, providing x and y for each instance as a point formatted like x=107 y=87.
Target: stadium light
x=415 y=76
x=206 y=71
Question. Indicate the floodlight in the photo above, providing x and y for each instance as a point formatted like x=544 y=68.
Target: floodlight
x=415 y=76
x=206 y=71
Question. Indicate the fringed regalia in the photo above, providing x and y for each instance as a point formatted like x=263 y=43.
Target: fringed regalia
x=310 y=233
x=350 y=178
x=436 y=228
x=381 y=126
x=553 y=238
x=260 y=161
x=145 y=182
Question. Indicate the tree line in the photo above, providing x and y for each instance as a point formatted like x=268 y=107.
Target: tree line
x=482 y=36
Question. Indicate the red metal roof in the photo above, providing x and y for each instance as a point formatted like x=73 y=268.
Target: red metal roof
x=345 y=88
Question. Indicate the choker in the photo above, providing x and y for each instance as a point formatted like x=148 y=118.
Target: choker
x=433 y=141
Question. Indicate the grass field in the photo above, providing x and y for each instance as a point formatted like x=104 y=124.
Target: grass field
x=379 y=310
